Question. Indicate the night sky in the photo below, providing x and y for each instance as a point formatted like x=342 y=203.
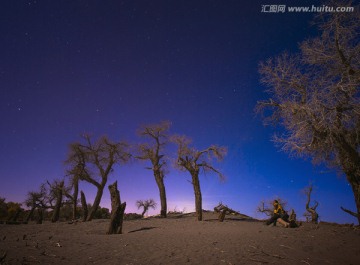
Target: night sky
x=107 y=67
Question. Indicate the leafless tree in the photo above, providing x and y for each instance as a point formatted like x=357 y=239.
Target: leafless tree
x=314 y=96
x=37 y=200
x=267 y=207
x=193 y=160
x=56 y=191
x=146 y=205
x=262 y=208
x=76 y=172
x=49 y=196
x=311 y=211
x=153 y=152
x=99 y=160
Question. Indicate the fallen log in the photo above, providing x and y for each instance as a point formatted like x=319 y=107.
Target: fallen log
x=223 y=210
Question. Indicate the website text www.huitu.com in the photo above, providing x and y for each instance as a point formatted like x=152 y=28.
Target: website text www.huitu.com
x=306 y=9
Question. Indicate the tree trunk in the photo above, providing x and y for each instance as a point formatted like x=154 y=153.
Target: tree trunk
x=143 y=212
x=30 y=213
x=117 y=210
x=160 y=182
x=350 y=162
x=356 y=190
x=75 y=198
x=59 y=196
x=40 y=217
x=314 y=215
x=16 y=215
x=198 y=197
x=96 y=203
x=222 y=215
x=311 y=210
x=84 y=206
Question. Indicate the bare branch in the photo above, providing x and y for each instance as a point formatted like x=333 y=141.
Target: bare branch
x=350 y=212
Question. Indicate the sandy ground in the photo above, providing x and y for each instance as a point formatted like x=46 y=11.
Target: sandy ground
x=179 y=240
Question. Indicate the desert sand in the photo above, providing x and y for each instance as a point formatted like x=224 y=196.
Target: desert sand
x=179 y=239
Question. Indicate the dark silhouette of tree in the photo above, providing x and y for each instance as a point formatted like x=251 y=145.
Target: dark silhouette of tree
x=56 y=191
x=311 y=211
x=76 y=172
x=37 y=200
x=153 y=152
x=314 y=96
x=3 y=208
x=10 y=211
x=99 y=160
x=193 y=160
x=146 y=205
x=49 y=196
x=84 y=206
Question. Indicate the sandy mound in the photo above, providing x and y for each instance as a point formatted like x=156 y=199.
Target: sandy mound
x=179 y=239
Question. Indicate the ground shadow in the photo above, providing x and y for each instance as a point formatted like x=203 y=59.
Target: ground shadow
x=142 y=229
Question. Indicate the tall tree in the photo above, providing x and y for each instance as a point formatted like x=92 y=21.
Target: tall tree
x=76 y=172
x=315 y=97
x=99 y=159
x=193 y=160
x=153 y=152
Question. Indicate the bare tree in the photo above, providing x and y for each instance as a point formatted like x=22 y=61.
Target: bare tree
x=146 y=205
x=56 y=191
x=267 y=208
x=192 y=160
x=262 y=208
x=311 y=210
x=159 y=135
x=37 y=200
x=314 y=96
x=99 y=160
x=76 y=172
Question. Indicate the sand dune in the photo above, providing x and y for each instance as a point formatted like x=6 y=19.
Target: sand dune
x=179 y=239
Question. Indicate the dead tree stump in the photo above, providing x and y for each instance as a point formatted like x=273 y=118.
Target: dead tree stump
x=84 y=206
x=117 y=210
x=222 y=216
x=223 y=210
x=292 y=216
x=311 y=210
x=292 y=219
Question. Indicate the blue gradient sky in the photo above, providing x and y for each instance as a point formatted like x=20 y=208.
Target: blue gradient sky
x=106 y=67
